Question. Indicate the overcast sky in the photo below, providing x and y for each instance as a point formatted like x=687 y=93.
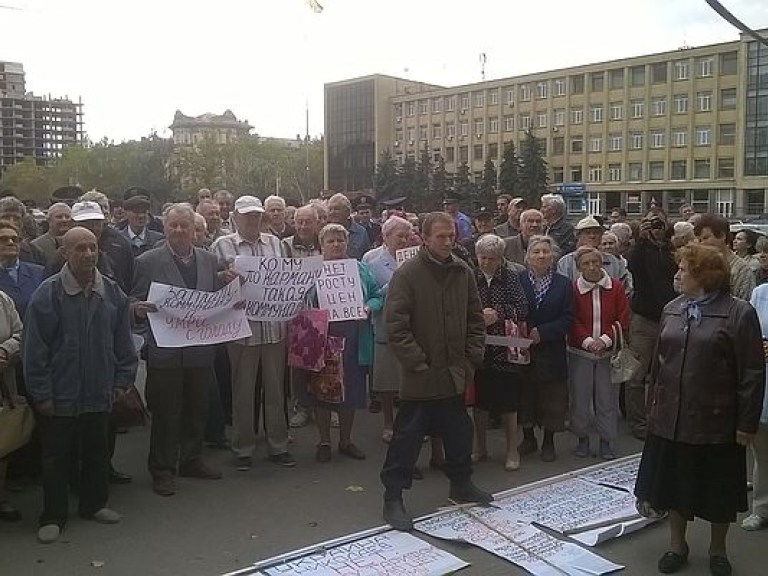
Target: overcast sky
x=135 y=63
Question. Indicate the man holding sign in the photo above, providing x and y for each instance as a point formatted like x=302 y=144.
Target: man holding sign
x=265 y=348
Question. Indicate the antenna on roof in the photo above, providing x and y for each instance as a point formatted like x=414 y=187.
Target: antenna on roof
x=483 y=60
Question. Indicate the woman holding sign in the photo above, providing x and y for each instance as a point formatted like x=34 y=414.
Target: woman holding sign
x=357 y=337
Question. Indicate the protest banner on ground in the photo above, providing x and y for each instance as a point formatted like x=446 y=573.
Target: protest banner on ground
x=275 y=288
x=405 y=254
x=339 y=290
x=188 y=317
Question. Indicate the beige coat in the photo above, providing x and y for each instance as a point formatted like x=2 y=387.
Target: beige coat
x=10 y=338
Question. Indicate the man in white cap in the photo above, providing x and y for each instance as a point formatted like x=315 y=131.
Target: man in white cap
x=265 y=348
x=589 y=232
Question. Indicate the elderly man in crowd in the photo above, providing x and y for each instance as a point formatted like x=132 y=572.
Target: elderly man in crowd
x=339 y=212
x=153 y=223
x=78 y=356
x=462 y=221
x=275 y=223
x=364 y=216
x=225 y=200
x=623 y=232
x=589 y=232
x=557 y=227
x=265 y=349
x=59 y=221
x=137 y=233
x=212 y=213
x=434 y=288
x=178 y=379
x=531 y=223
x=13 y=210
x=618 y=215
x=713 y=230
x=511 y=226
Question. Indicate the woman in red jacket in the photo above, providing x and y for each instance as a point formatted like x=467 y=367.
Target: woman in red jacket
x=598 y=302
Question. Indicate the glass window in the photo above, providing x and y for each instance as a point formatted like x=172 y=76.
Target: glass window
x=659 y=73
x=477 y=152
x=637 y=75
x=557 y=174
x=525 y=121
x=704 y=101
x=638 y=107
x=541 y=119
x=681 y=70
x=463 y=153
x=480 y=100
x=423 y=107
x=450 y=154
x=704 y=67
x=560 y=87
x=595 y=173
x=493 y=151
x=727 y=134
x=410 y=109
x=423 y=132
x=463 y=128
x=479 y=126
x=679 y=137
x=450 y=104
x=577 y=87
x=576 y=174
x=657 y=138
x=509 y=123
x=703 y=135
x=656 y=170
x=493 y=125
x=617 y=110
x=493 y=95
x=437 y=131
x=679 y=170
x=615 y=142
x=681 y=103
x=525 y=92
x=637 y=140
x=596 y=113
x=464 y=101
x=659 y=106
x=577 y=115
x=701 y=168
x=755 y=202
x=728 y=99
x=596 y=79
x=398 y=135
x=450 y=129
x=436 y=106
x=542 y=89
x=728 y=63
x=725 y=168
x=635 y=171
x=411 y=134
x=559 y=117
x=617 y=78
x=634 y=205
x=614 y=172
x=558 y=145
x=596 y=144
x=510 y=96
x=577 y=144
x=700 y=201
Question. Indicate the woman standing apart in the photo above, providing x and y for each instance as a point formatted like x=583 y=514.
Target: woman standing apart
x=358 y=351
x=544 y=396
x=598 y=302
x=497 y=381
x=707 y=379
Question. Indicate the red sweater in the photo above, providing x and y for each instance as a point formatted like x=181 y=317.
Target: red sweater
x=595 y=308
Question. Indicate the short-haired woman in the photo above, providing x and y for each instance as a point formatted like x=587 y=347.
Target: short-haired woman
x=497 y=382
x=707 y=381
x=599 y=301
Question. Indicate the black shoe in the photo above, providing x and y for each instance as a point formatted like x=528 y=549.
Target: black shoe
x=528 y=446
x=116 y=477
x=397 y=516
x=671 y=562
x=284 y=459
x=468 y=492
x=8 y=513
x=548 y=453
x=719 y=565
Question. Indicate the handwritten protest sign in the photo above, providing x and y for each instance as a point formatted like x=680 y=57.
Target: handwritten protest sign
x=339 y=290
x=405 y=254
x=387 y=554
x=187 y=317
x=621 y=475
x=275 y=288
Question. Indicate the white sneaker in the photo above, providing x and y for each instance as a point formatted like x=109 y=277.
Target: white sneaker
x=107 y=516
x=299 y=419
x=48 y=534
x=754 y=522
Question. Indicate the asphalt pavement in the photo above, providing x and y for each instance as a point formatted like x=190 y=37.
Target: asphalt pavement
x=214 y=527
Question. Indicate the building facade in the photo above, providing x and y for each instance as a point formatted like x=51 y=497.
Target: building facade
x=689 y=126
x=32 y=126
x=223 y=128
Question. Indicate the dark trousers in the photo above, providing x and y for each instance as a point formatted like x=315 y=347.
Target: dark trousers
x=61 y=437
x=178 y=402
x=446 y=418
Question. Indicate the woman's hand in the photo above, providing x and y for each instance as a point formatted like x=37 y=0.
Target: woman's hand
x=534 y=335
x=490 y=316
x=744 y=438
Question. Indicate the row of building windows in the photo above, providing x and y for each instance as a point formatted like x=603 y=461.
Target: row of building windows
x=574 y=84
x=700 y=169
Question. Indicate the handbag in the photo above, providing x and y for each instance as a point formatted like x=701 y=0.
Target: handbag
x=328 y=384
x=307 y=335
x=17 y=421
x=624 y=364
x=128 y=410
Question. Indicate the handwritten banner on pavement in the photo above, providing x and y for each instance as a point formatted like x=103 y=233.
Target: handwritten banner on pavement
x=405 y=254
x=274 y=288
x=187 y=317
x=339 y=290
x=387 y=554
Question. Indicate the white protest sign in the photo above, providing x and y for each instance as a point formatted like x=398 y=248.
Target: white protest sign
x=621 y=475
x=339 y=290
x=405 y=254
x=388 y=554
x=187 y=317
x=275 y=288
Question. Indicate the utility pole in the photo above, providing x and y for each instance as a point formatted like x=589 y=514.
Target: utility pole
x=306 y=166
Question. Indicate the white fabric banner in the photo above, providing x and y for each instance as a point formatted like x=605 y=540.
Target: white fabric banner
x=187 y=317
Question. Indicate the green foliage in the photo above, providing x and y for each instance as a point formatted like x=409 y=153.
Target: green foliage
x=534 y=177
x=487 y=188
x=509 y=172
x=440 y=182
x=462 y=186
x=406 y=178
x=385 y=179
x=28 y=181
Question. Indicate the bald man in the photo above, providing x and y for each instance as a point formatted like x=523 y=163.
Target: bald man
x=78 y=358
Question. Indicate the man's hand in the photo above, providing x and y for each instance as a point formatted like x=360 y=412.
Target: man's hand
x=45 y=408
x=140 y=309
x=744 y=438
x=534 y=335
x=228 y=275
x=490 y=316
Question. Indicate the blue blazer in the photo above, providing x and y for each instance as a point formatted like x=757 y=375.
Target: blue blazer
x=553 y=319
x=30 y=277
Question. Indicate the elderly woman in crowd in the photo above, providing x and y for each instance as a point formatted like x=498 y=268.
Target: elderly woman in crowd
x=358 y=350
x=544 y=396
x=599 y=302
x=10 y=342
x=497 y=385
x=744 y=246
x=707 y=382
x=682 y=234
x=761 y=274
x=386 y=369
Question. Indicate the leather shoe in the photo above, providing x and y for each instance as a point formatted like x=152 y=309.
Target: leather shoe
x=719 y=565
x=116 y=477
x=397 y=516
x=164 y=485
x=197 y=469
x=671 y=562
x=468 y=492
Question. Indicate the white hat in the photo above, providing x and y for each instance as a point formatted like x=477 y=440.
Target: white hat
x=246 y=204
x=587 y=223
x=83 y=211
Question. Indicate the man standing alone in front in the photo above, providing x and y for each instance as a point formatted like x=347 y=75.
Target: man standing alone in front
x=435 y=328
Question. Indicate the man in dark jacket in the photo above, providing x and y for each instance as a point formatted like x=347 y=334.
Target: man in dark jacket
x=557 y=227
x=436 y=330
x=653 y=269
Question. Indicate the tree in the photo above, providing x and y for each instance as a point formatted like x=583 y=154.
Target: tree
x=509 y=172
x=440 y=182
x=487 y=187
x=534 y=177
x=406 y=178
x=28 y=181
x=385 y=179
x=426 y=198
x=462 y=187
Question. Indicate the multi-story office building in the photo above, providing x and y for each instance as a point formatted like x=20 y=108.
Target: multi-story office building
x=689 y=126
x=32 y=126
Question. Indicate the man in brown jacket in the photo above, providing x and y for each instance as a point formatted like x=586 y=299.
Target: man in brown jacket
x=436 y=329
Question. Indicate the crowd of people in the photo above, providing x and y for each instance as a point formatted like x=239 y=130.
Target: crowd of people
x=74 y=299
